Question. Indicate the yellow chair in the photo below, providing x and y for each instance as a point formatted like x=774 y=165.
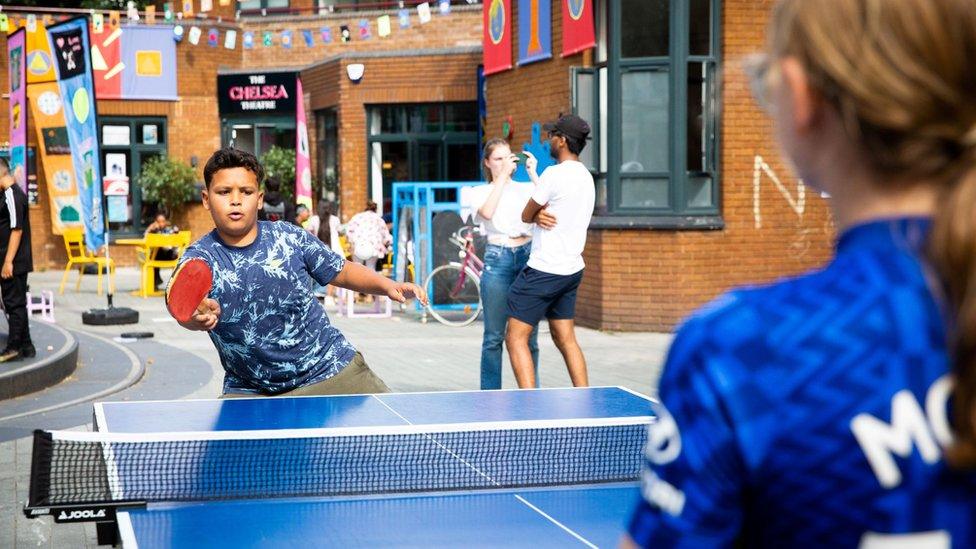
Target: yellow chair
x=154 y=243
x=78 y=255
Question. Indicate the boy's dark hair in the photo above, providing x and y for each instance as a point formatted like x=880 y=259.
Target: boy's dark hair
x=575 y=145
x=227 y=158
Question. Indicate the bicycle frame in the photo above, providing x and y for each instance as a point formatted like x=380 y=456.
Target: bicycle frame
x=470 y=259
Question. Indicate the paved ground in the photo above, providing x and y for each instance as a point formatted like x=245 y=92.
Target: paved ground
x=407 y=354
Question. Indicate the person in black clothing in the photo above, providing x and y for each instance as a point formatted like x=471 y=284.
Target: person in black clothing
x=15 y=249
x=275 y=207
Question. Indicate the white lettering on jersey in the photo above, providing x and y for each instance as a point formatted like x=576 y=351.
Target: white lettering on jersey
x=909 y=428
x=661 y=493
x=663 y=437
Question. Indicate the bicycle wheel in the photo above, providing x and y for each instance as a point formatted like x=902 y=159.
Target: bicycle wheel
x=453 y=301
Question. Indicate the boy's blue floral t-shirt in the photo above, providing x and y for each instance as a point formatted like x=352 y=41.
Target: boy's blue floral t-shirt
x=272 y=335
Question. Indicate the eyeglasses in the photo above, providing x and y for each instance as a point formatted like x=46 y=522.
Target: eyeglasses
x=759 y=70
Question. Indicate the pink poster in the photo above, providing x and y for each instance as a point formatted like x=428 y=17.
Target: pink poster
x=17 y=54
x=303 y=166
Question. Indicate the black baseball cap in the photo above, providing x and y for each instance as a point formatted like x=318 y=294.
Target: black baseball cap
x=569 y=125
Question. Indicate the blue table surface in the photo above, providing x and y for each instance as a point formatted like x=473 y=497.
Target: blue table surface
x=597 y=514
x=367 y=410
x=485 y=519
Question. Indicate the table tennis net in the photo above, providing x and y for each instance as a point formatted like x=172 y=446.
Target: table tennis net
x=71 y=467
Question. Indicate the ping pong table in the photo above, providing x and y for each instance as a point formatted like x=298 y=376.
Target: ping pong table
x=587 y=514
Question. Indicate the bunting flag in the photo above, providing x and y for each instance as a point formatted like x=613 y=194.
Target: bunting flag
x=187 y=8
x=535 y=31
x=344 y=34
x=445 y=6
x=150 y=15
x=579 y=32
x=168 y=12
x=114 y=19
x=404 y=17
x=303 y=163
x=55 y=155
x=17 y=76
x=98 y=23
x=73 y=66
x=497 y=40
x=326 y=34
x=268 y=40
x=383 y=25
x=206 y=5
x=131 y=12
x=31 y=23
x=213 y=37
x=423 y=12
x=309 y=39
x=4 y=22
x=194 y=36
x=248 y=40
x=364 y=32
x=178 y=33
x=286 y=39
x=230 y=39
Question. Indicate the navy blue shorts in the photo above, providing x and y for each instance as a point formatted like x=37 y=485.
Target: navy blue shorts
x=536 y=295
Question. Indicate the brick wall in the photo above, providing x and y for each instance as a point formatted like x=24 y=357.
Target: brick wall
x=651 y=279
x=422 y=79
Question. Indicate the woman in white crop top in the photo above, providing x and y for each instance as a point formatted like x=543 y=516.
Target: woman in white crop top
x=498 y=206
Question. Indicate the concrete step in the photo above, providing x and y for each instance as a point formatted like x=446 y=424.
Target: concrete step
x=57 y=356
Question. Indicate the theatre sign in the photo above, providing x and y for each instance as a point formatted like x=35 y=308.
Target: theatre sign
x=263 y=92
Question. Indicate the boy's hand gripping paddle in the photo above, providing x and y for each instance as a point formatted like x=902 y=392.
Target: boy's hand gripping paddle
x=189 y=286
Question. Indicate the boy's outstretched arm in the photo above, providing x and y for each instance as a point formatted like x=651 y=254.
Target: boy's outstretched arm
x=358 y=278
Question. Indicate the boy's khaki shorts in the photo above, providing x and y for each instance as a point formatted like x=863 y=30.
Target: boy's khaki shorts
x=355 y=378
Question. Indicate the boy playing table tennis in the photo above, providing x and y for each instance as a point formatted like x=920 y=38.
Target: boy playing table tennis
x=272 y=336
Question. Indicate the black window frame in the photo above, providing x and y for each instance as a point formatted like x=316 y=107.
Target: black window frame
x=606 y=168
x=134 y=148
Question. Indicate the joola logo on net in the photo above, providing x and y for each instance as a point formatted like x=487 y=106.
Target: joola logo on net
x=81 y=514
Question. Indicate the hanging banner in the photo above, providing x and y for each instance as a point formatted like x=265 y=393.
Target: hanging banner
x=535 y=31
x=55 y=155
x=303 y=162
x=40 y=63
x=73 y=66
x=497 y=40
x=134 y=62
x=578 y=31
x=17 y=72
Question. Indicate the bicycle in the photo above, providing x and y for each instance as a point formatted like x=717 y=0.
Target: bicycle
x=454 y=289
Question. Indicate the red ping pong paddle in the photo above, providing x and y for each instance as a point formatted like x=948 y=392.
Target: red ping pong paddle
x=190 y=284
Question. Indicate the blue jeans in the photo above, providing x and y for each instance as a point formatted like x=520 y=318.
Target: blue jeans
x=502 y=265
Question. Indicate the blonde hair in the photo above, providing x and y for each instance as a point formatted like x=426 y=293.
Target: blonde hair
x=490 y=147
x=900 y=73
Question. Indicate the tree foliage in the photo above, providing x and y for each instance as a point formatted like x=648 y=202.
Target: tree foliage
x=167 y=182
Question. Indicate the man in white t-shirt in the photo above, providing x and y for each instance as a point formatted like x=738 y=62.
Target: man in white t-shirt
x=546 y=288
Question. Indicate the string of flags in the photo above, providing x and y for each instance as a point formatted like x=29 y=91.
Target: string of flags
x=178 y=13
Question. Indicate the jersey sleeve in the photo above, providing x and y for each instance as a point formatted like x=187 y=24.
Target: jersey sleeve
x=322 y=263
x=693 y=474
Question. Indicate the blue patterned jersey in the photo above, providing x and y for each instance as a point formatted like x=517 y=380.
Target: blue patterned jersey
x=812 y=412
x=272 y=335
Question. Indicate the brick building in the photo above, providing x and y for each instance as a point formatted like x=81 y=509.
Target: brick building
x=425 y=74
x=692 y=196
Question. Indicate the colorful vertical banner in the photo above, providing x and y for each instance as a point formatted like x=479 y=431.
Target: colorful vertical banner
x=579 y=32
x=303 y=163
x=55 y=155
x=535 y=31
x=40 y=62
x=73 y=66
x=17 y=71
x=497 y=41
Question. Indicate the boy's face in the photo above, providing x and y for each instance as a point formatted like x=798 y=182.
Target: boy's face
x=233 y=200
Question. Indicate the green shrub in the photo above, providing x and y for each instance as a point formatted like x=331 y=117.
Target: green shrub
x=280 y=163
x=169 y=183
